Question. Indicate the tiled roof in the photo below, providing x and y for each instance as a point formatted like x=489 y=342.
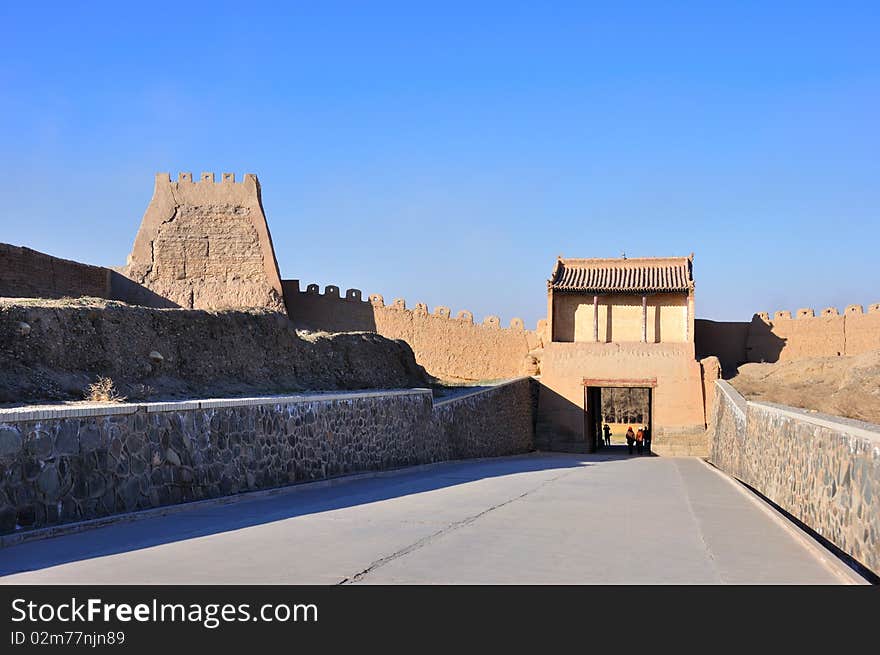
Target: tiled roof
x=648 y=274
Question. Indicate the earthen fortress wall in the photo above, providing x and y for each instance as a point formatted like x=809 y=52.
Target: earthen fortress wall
x=448 y=347
x=788 y=337
x=26 y=273
x=206 y=244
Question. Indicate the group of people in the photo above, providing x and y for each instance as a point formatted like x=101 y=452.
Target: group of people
x=641 y=438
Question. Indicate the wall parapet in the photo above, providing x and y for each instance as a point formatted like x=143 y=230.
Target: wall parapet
x=84 y=463
x=450 y=346
x=737 y=403
x=787 y=336
x=206 y=178
x=809 y=312
x=88 y=409
x=854 y=427
x=483 y=390
x=498 y=420
x=823 y=470
x=377 y=300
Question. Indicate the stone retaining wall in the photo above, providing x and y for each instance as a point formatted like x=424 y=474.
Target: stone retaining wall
x=490 y=423
x=823 y=470
x=72 y=463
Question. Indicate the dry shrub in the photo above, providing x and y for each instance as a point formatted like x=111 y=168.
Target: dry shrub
x=103 y=390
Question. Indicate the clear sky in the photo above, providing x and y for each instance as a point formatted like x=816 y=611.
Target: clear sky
x=448 y=152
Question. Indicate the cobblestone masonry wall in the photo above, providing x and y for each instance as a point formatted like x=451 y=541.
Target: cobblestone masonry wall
x=821 y=469
x=69 y=464
x=490 y=423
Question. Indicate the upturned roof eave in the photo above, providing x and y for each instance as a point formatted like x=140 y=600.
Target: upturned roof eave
x=611 y=290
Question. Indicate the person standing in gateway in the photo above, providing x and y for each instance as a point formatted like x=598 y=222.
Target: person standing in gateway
x=606 y=430
x=646 y=436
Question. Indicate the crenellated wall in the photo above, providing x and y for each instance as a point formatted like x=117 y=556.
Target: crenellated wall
x=206 y=244
x=448 y=347
x=861 y=330
x=201 y=245
x=786 y=336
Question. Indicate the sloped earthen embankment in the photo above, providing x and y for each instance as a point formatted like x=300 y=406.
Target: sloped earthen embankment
x=53 y=349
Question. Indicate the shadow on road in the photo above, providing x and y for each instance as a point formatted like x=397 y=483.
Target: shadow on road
x=290 y=502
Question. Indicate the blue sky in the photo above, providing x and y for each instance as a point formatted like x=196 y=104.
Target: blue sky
x=448 y=152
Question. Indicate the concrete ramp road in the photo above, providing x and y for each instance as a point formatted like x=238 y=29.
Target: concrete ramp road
x=539 y=518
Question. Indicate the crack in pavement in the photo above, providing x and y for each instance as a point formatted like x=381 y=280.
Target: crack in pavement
x=424 y=541
x=710 y=556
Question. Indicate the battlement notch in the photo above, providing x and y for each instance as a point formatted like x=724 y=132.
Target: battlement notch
x=186 y=177
x=808 y=312
x=332 y=292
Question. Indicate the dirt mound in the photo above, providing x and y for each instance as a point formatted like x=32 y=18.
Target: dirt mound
x=843 y=386
x=53 y=349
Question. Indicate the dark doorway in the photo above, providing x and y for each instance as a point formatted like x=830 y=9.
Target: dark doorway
x=619 y=404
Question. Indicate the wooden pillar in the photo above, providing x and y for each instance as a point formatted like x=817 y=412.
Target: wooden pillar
x=596 y=318
x=689 y=318
x=644 y=319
